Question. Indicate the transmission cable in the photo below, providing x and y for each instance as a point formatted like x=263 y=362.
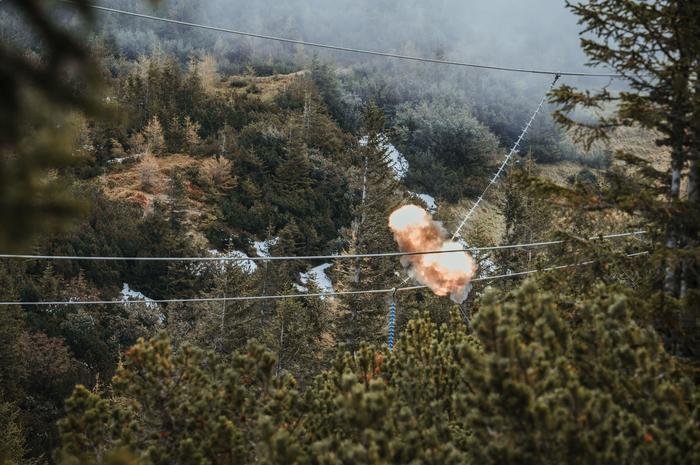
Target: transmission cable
x=347 y=49
x=305 y=257
x=294 y=296
x=503 y=166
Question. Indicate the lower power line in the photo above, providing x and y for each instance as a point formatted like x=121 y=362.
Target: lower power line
x=294 y=296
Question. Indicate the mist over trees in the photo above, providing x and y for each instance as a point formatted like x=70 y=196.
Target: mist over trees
x=124 y=137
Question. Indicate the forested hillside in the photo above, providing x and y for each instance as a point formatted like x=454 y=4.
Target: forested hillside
x=200 y=260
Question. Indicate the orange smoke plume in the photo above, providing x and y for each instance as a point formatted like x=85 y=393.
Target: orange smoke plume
x=445 y=273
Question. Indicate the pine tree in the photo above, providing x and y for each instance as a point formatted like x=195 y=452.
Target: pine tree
x=35 y=131
x=528 y=387
x=13 y=449
x=363 y=317
x=153 y=136
x=292 y=180
x=528 y=217
x=192 y=406
x=299 y=333
x=175 y=136
x=191 y=130
x=10 y=355
x=656 y=47
x=224 y=327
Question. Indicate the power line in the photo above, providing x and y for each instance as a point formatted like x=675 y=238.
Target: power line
x=294 y=296
x=500 y=169
x=551 y=268
x=349 y=49
x=510 y=154
x=303 y=257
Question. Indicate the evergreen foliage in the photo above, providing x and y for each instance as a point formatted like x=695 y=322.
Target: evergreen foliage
x=12 y=437
x=446 y=147
x=576 y=367
x=656 y=46
x=528 y=387
x=377 y=195
x=528 y=217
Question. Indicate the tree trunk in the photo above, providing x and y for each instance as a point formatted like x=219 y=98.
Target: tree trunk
x=690 y=268
x=223 y=311
x=671 y=282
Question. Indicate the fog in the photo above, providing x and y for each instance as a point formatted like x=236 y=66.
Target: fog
x=536 y=34
x=539 y=34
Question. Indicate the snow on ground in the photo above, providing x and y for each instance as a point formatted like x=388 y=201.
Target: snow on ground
x=398 y=162
x=248 y=266
x=262 y=248
x=128 y=294
x=400 y=166
x=486 y=265
x=428 y=199
x=318 y=276
x=300 y=288
x=122 y=159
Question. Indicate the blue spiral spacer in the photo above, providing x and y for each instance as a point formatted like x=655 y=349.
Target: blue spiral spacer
x=392 y=318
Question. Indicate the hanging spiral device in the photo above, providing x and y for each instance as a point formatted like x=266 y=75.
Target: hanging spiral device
x=392 y=319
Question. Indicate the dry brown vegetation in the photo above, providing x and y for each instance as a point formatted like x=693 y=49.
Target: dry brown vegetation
x=145 y=183
x=216 y=172
x=266 y=87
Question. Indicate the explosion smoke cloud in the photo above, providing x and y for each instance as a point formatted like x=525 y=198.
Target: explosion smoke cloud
x=445 y=273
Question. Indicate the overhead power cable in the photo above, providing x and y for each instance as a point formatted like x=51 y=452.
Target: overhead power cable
x=295 y=296
x=303 y=257
x=510 y=154
x=349 y=49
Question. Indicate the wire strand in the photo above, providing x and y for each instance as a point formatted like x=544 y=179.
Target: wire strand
x=294 y=296
x=303 y=257
x=510 y=154
x=349 y=49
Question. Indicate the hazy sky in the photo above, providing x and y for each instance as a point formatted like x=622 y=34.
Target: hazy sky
x=536 y=33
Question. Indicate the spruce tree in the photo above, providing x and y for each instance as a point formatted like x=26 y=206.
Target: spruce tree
x=656 y=47
x=363 y=317
x=528 y=217
x=36 y=133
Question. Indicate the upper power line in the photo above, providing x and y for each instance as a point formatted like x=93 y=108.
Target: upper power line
x=305 y=257
x=296 y=296
x=350 y=49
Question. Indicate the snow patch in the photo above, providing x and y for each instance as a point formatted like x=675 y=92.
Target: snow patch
x=318 y=276
x=129 y=294
x=300 y=288
x=243 y=260
x=122 y=159
x=396 y=160
x=262 y=248
x=428 y=199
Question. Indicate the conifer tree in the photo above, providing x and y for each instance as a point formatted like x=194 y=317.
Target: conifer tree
x=175 y=136
x=298 y=332
x=291 y=179
x=363 y=317
x=224 y=327
x=10 y=356
x=36 y=134
x=656 y=47
x=528 y=218
x=528 y=387
x=153 y=135
x=13 y=449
